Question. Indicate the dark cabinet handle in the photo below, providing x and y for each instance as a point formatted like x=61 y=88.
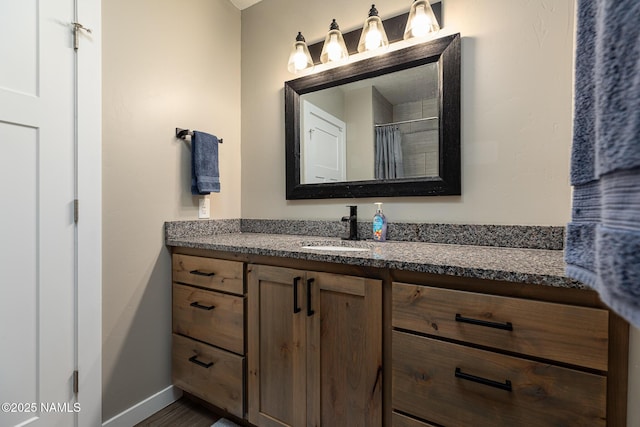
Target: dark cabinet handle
x=502 y=386
x=310 y=311
x=202 y=273
x=196 y=304
x=194 y=359
x=296 y=309
x=506 y=326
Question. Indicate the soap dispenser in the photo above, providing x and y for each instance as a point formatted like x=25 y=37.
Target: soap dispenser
x=379 y=224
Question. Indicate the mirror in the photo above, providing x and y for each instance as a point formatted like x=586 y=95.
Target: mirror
x=380 y=127
x=384 y=127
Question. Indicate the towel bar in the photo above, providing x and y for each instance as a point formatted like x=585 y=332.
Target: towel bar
x=182 y=134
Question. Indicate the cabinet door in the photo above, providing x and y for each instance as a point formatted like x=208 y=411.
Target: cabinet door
x=276 y=341
x=344 y=350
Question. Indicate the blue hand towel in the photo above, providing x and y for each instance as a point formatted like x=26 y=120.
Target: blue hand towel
x=205 y=175
x=603 y=237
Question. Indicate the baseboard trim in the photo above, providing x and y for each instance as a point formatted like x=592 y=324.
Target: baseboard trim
x=144 y=409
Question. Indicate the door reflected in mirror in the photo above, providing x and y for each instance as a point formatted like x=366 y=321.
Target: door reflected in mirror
x=385 y=127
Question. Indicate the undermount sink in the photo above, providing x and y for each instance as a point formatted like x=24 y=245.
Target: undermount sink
x=336 y=248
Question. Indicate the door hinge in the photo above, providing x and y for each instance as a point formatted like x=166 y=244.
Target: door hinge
x=75 y=211
x=76 y=382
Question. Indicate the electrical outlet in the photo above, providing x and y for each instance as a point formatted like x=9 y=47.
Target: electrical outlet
x=204 y=207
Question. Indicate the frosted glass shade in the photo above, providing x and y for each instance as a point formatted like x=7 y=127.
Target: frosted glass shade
x=421 y=21
x=300 y=58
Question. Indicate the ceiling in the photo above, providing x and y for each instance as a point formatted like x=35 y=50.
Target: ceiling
x=243 y=4
x=403 y=86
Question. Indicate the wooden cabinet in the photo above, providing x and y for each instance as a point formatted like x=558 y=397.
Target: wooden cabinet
x=284 y=342
x=466 y=358
x=565 y=333
x=209 y=273
x=210 y=373
x=208 y=330
x=314 y=348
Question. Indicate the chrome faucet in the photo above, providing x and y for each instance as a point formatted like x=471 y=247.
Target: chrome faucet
x=353 y=223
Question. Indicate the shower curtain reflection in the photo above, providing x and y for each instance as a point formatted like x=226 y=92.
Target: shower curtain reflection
x=388 y=156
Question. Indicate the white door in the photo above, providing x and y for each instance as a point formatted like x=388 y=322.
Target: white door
x=37 y=179
x=324 y=150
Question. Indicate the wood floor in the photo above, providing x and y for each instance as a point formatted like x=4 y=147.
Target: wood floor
x=182 y=413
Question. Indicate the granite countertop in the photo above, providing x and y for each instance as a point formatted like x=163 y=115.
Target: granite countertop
x=533 y=266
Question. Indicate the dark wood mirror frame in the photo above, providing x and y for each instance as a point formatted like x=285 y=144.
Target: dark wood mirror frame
x=445 y=51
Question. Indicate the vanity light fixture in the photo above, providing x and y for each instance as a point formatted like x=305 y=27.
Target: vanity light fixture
x=373 y=34
x=334 y=48
x=421 y=20
x=300 y=58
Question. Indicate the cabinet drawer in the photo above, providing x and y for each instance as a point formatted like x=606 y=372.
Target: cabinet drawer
x=209 y=373
x=400 y=420
x=565 y=333
x=439 y=381
x=209 y=273
x=209 y=316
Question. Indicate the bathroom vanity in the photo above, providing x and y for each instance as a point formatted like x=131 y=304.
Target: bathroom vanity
x=290 y=330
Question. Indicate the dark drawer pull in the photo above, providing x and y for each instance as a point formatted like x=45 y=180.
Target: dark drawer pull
x=502 y=386
x=202 y=273
x=194 y=359
x=196 y=304
x=310 y=311
x=296 y=308
x=506 y=326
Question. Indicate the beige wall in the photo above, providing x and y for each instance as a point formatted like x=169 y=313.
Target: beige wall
x=516 y=114
x=359 y=120
x=166 y=64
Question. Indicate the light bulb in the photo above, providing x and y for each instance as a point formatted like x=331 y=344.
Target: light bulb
x=374 y=37
x=421 y=22
x=300 y=59
x=334 y=50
